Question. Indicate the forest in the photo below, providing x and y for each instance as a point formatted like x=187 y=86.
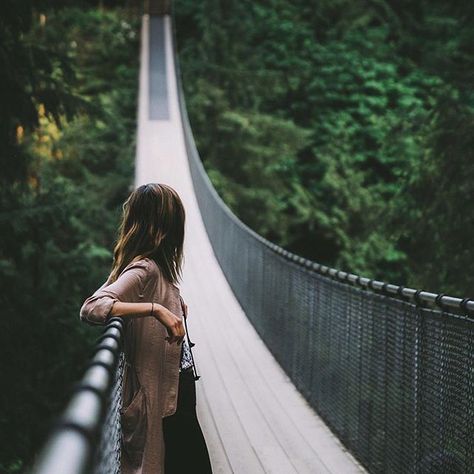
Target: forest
x=68 y=80
x=340 y=130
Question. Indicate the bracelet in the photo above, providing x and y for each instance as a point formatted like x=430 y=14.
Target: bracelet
x=151 y=312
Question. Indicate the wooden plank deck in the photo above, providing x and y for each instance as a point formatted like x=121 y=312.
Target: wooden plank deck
x=253 y=418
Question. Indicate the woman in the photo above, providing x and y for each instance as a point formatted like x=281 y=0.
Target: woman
x=160 y=429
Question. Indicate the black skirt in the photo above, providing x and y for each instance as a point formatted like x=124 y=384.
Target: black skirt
x=185 y=446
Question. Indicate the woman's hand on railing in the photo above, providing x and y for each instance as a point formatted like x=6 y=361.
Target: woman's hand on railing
x=173 y=324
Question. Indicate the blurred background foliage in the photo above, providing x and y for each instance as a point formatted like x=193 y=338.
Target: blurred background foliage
x=341 y=130
x=68 y=85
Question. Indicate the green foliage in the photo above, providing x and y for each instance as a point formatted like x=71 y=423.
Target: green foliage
x=258 y=151
x=59 y=215
x=436 y=195
x=359 y=91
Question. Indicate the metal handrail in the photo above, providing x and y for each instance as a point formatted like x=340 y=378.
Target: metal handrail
x=73 y=441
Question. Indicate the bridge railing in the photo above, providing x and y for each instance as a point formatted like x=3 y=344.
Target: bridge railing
x=86 y=437
x=389 y=369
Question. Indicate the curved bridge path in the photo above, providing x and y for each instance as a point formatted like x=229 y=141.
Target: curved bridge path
x=253 y=418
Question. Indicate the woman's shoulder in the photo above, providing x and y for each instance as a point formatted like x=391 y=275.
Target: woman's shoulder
x=152 y=269
x=147 y=265
x=150 y=266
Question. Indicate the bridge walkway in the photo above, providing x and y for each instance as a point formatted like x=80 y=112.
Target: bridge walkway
x=253 y=418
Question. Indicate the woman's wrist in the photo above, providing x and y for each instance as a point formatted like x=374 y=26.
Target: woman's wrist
x=157 y=310
x=163 y=315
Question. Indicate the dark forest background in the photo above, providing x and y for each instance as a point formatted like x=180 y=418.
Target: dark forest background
x=68 y=86
x=341 y=130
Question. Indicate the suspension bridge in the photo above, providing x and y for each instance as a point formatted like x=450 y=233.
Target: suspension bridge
x=304 y=368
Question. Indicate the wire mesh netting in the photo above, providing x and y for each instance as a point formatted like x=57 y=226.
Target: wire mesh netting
x=107 y=455
x=393 y=380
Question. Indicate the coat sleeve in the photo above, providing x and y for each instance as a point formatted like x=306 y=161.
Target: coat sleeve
x=127 y=288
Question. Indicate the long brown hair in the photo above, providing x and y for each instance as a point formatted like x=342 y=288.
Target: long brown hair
x=152 y=226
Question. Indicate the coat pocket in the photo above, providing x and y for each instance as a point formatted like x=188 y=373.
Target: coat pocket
x=134 y=425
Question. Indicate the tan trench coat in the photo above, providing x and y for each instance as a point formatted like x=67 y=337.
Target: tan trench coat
x=152 y=393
